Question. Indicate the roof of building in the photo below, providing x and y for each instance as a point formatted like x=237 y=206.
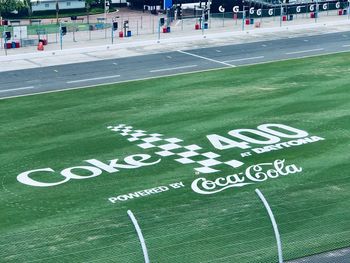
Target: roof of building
x=53 y=1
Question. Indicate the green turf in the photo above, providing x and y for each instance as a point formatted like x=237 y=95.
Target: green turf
x=75 y=222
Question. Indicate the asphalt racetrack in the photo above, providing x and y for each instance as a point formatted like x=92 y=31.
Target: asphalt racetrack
x=39 y=80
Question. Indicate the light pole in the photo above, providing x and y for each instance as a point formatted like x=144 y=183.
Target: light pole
x=209 y=13
x=243 y=19
x=106 y=8
x=4 y=36
x=281 y=13
x=159 y=25
x=61 y=36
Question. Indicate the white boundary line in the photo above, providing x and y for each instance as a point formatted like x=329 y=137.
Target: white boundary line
x=304 y=51
x=169 y=75
x=9 y=90
x=209 y=59
x=243 y=59
x=139 y=234
x=98 y=78
x=274 y=224
x=346 y=45
x=175 y=68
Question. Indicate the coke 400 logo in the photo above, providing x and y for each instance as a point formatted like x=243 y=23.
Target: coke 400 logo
x=265 y=138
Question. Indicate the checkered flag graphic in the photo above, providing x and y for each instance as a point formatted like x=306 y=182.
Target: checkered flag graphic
x=206 y=162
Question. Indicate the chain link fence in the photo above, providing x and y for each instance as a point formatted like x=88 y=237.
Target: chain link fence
x=70 y=33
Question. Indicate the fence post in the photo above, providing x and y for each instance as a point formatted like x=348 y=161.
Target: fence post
x=274 y=224
x=112 y=33
x=243 y=19
x=61 y=37
x=281 y=15
x=158 y=30
x=4 y=37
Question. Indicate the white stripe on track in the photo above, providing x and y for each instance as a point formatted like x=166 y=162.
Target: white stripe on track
x=242 y=59
x=209 y=59
x=169 y=69
x=9 y=90
x=169 y=75
x=85 y=80
x=304 y=51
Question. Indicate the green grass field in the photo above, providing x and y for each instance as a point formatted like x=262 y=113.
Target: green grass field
x=75 y=221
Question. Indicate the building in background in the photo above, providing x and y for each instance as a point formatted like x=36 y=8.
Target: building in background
x=119 y=2
x=50 y=5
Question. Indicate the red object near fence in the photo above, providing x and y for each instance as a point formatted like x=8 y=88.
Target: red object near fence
x=40 y=46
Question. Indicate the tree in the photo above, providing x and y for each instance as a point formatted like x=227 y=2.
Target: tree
x=28 y=7
x=8 y=6
x=88 y=4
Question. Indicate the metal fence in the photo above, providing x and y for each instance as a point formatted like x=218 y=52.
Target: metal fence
x=70 y=33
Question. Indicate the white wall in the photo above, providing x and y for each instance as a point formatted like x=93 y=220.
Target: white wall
x=51 y=5
x=118 y=1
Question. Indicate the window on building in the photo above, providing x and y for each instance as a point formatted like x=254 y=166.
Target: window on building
x=68 y=3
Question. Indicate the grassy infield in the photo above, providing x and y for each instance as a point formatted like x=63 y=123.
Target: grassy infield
x=74 y=222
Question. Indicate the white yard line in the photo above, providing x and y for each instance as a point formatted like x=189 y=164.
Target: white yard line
x=304 y=51
x=209 y=59
x=8 y=90
x=243 y=59
x=169 y=69
x=85 y=80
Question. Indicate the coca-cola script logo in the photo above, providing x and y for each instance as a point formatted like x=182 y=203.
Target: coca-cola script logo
x=254 y=173
x=248 y=142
